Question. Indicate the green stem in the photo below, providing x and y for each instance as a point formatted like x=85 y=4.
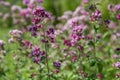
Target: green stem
x=47 y=64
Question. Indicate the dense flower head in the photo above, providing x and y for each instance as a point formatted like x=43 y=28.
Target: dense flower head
x=36 y=20
x=37 y=54
x=116 y=56
x=27 y=44
x=118 y=16
x=26 y=2
x=117 y=7
x=117 y=65
x=74 y=58
x=100 y=76
x=107 y=21
x=16 y=33
x=15 y=7
x=2 y=42
x=25 y=12
x=67 y=42
x=117 y=49
x=57 y=64
x=37 y=59
x=36 y=51
x=96 y=15
x=85 y=1
x=78 y=29
x=56 y=71
x=34 y=29
x=50 y=33
x=11 y=40
x=40 y=12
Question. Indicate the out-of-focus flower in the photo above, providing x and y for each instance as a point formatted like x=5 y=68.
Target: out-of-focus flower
x=85 y=1
x=27 y=44
x=26 y=2
x=16 y=33
x=57 y=64
x=40 y=12
x=118 y=16
x=117 y=7
x=56 y=71
x=25 y=12
x=37 y=54
x=110 y=7
x=116 y=56
x=6 y=16
x=31 y=6
x=67 y=15
x=100 y=76
x=11 y=40
x=117 y=65
x=50 y=33
x=55 y=45
x=6 y=4
x=37 y=59
x=118 y=75
x=15 y=7
x=117 y=49
x=112 y=24
x=74 y=58
x=67 y=42
x=2 y=43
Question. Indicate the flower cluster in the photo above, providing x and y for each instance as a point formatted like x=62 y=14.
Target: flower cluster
x=39 y=16
x=50 y=34
x=27 y=44
x=96 y=15
x=117 y=65
x=37 y=54
x=57 y=65
x=16 y=33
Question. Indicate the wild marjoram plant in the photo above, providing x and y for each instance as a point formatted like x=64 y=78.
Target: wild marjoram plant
x=83 y=45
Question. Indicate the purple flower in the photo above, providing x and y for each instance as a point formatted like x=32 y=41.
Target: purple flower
x=36 y=20
x=37 y=59
x=27 y=44
x=2 y=42
x=57 y=64
x=116 y=56
x=117 y=7
x=16 y=33
x=26 y=2
x=96 y=15
x=117 y=65
x=34 y=29
x=67 y=42
x=85 y=1
x=100 y=76
x=50 y=34
x=107 y=21
x=40 y=12
x=118 y=16
x=36 y=51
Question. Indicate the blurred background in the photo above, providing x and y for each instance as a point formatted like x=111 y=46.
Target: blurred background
x=56 y=7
